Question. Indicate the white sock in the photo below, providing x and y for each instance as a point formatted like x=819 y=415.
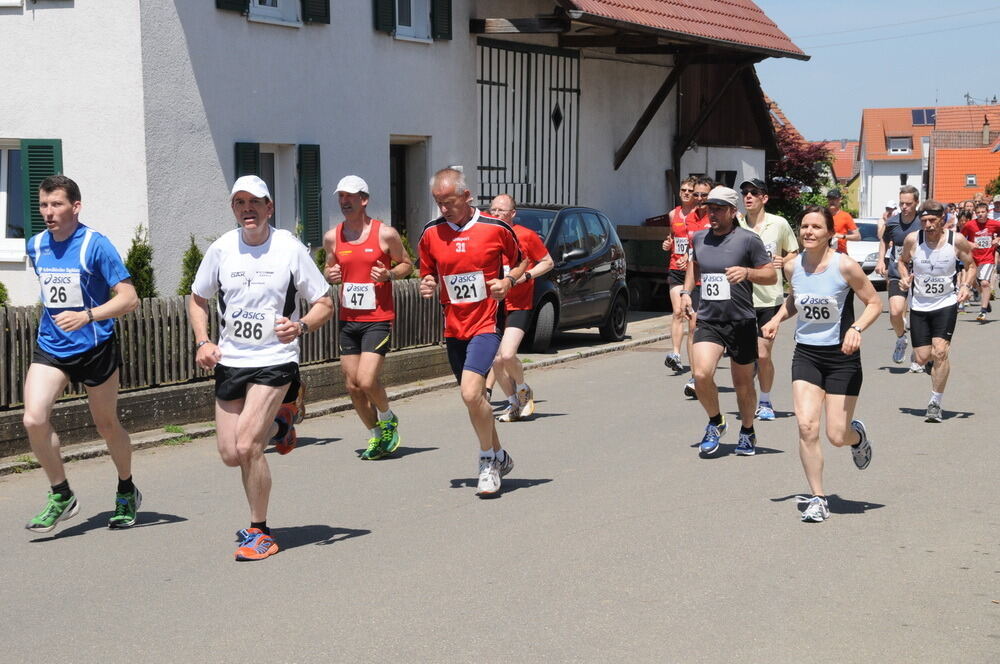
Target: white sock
x=376 y=432
x=765 y=396
x=513 y=400
x=936 y=397
x=500 y=455
x=387 y=415
x=521 y=387
x=486 y=454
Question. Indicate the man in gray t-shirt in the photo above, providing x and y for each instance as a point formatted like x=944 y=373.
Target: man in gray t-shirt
x=728 y=260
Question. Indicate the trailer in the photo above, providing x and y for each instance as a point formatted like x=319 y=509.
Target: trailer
x=647 y=266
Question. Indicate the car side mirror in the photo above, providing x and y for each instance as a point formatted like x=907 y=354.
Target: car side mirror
x=573 y=254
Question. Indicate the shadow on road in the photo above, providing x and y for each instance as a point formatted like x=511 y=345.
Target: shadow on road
x=727 y=450
x=400 y=452
x=945 y=414
x=895 y=371
x=100 y=521
x=508 y=485
x=321 y=535
x=837 y=504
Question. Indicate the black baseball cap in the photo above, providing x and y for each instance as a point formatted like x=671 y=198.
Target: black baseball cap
x=833 y=193
x=756 y=183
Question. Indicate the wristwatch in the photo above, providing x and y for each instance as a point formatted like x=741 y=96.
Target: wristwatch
x=857 y=328
x=303 y=327
x=685 y=292
x=528 y=276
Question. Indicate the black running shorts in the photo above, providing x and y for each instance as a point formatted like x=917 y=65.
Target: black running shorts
x=827 y=367
x=738 y=337
x=91 y=367
x=519 y=318
x=231 y=382
x=937 y=324
x=764 y=315
x=358 y=337
x=675 y=278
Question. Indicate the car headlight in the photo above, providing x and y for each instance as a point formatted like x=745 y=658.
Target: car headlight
x=873 y=257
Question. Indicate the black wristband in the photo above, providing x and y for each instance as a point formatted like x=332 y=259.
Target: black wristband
x=200 y=344
x=90 y=315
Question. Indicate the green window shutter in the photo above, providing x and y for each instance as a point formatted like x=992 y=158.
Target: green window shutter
x=385 y=15
x=233 y=5
x=310 y=196
x=441 y=19
x=316 y=11
x=247 y=159
x=40 y=158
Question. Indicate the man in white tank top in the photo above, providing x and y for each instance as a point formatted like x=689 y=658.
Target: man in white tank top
x=927 y=268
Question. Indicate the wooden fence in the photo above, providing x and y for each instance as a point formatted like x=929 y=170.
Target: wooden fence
x=158 y=345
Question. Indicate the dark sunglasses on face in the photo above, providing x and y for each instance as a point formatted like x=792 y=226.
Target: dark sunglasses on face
x=752 y=192
x=686 y=191
x=699 y=195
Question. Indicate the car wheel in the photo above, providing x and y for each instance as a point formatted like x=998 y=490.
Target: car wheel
x=616 y=323
x=545 y=324
x=640 y=291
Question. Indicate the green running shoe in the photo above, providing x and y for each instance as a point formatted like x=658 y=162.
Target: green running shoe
x=126 y=509
x=55 y=510
x=390 y=434
x=374 y=450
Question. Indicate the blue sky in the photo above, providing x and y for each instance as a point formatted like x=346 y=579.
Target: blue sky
x=923 y=53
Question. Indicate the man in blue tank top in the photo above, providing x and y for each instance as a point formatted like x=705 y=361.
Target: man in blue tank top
x=78 y=270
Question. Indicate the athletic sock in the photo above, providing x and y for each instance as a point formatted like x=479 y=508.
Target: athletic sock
x=715 y=420
x=386 y=416
x=514 y=401
x=487 y=454
x=376 y=432
x=63 y=490
x=747 y=430
x=500 y=455
x=262 y=526
x=765 y=396
x=936 y=397
x=126 y=485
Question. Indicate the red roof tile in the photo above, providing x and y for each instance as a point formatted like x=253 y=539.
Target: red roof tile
x=952 y=166
x=844 y=155
x=965 y=118
x=735 y=22
x=880 y=124
x=779 y=120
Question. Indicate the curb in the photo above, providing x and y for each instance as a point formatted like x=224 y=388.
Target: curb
x=156 y=438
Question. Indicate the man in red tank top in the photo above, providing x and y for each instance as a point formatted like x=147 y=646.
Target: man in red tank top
x=364 y=255
x=677 y=244
x=507 y=369
x=462 y=253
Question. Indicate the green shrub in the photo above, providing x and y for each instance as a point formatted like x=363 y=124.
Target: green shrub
x=192 y=259
x=319 y=256
x=140 y=263
x=4 y=297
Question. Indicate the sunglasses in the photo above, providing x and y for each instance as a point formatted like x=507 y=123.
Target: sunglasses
x=701 y=195
x=753 y=192
x=686 y=191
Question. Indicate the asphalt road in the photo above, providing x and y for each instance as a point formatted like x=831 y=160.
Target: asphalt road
x=612 y=540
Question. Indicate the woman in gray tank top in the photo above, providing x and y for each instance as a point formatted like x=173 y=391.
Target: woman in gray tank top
x=826 y=365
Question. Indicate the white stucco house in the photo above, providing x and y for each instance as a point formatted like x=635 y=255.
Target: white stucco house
x=155 y=107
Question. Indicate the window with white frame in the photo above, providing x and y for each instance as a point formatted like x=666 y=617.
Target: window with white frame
x=275 y=11
x=900 y=144
x=413 y=19
x=970 y=180
x=11 y=202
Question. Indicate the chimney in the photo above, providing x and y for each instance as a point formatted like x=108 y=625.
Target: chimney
x=843 y=144
x=986 y=130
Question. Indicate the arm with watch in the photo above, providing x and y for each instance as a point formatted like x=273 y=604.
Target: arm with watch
x=319 y=312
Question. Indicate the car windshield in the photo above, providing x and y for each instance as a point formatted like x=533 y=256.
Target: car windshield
x=539 y=221
x=869 y=232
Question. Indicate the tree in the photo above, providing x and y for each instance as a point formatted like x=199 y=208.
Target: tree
x=192 y=259
x=4 y=298
x=140 y=263
x=993 y=188
x=797 y=178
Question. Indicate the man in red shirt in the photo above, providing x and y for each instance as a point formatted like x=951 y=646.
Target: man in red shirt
x=507 y=369
x=843 y=223
x=364 y=256
x=462 y=255
x=983 y=233
x=677 y=244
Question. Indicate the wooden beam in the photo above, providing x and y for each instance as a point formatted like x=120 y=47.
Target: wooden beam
x=607 y=41
x=501 y=26
x=647 y=116
x=663 y=49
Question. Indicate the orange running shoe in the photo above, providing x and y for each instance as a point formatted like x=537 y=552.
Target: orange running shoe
x=255 y=545
x=285 y=417
x=300 y=403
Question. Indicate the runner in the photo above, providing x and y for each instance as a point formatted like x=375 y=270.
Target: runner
x=463 y=250
x=677 y=244
x=364 y=256
x=781 y=245
x=507 y=369
x=983 y=233
x=826 y=365
x=843 y=222
x=728 y=260
x=933 y=252
x=78 y=269
x=890 y=245
x=258 y=273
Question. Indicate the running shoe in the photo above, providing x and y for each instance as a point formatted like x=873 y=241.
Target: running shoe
x=56 y=509
x=689 y=389
x=255 y=545
x=673 y=361
x=916 y=367
x=862 y=452
x=489 y=477
x=934 y=413
x=285 y=443
x=507 y=465
x=961 y=307
x=900 y=351
x=747 y=445
x=511 y=413
x=710 y=443
x=817 y=510
x=374 y=449
x=300 y=403
x=390 y=434
x=765 y=412
x=982 y=316
x=126 y=509
x=526 y=398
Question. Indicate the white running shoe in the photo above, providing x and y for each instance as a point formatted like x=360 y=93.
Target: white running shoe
x=526 y=398
x=862 y=452
x=489 y=477
x=507 y=464
x=511 y=413
x=916 y=368
x=817 y=510
x=900 y=351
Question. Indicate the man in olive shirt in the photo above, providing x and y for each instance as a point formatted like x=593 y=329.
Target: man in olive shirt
x=729 y=260
x=781 y=245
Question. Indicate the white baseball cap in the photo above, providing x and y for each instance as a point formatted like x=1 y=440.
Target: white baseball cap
x=890 y=204
x=252 y=185
x=723 y=196
x=352 y=184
